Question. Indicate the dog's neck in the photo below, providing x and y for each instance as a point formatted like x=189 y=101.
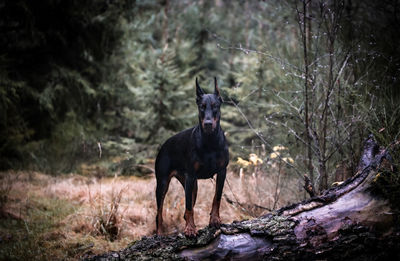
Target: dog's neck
x=210 y=140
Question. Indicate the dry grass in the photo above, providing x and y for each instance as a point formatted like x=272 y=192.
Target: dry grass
x=6 y=184
x=108 y=213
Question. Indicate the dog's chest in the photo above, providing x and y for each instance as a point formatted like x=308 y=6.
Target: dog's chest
x=209 y=164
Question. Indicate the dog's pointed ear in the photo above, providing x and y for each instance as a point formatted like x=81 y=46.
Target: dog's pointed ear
x=199 y=91
x=216 y=90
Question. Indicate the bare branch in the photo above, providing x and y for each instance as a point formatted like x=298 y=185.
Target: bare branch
x=261 y=137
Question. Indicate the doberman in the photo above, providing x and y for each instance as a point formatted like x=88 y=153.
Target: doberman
x=196 y=153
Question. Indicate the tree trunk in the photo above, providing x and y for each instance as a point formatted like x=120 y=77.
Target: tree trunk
x=353 y=221
x=307 y=118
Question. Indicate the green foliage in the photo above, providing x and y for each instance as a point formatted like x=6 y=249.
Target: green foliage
x=162 y=104
x=99 y=72
x=52 y=67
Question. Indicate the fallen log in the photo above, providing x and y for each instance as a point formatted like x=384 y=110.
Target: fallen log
x=357 y=220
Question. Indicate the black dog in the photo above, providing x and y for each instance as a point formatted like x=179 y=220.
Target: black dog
x=195 y=153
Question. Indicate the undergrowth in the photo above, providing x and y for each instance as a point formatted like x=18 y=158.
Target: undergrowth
x=32 y=234
x=387 y=184
x=69 y=216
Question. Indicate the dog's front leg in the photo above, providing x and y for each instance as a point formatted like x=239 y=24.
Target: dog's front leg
x=190 y=183
x=215 y=220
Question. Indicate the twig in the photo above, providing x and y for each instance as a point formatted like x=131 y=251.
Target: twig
x=245 y=206
x=99 y=146
x=229 y=185
x=260 y=137
x=308 y=186
x=145 y=167
x=248 y=51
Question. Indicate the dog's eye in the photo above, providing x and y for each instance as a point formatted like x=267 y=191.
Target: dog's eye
x=203 y=107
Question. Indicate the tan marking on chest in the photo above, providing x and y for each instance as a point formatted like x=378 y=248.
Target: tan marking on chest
x=196 y=166
x=221 y=162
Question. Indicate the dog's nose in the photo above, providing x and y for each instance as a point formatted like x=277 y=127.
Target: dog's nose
x=207 y=123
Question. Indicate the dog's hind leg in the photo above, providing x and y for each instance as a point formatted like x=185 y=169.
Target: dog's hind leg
x=181 y=180
x=194 y=193
x=163 y=175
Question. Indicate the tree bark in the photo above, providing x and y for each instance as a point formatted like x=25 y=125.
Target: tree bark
x=353 y=221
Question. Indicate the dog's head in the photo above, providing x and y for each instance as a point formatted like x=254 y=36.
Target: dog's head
x=209 y=108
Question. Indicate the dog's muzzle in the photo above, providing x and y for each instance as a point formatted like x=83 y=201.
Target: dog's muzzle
x=208 y=126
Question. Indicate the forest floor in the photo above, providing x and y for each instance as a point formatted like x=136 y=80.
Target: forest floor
x=65 y=217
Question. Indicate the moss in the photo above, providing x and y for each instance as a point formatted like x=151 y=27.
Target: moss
x=279 y=228
x=271 y=225
x=161 y=247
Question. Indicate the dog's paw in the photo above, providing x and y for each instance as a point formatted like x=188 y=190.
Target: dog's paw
x=190 y=231
x=215 y=221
